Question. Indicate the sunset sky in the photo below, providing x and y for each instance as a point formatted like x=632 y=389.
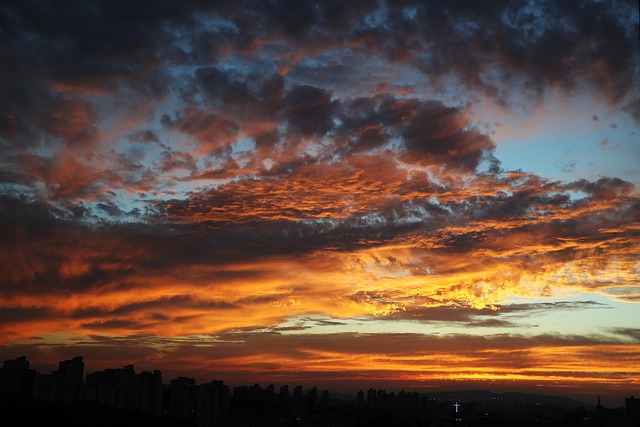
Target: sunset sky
x=400 y=194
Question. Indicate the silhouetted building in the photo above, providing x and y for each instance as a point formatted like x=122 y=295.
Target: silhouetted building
x=380 y=399
x=181 y=395
x=371 y=398
x=284 y=393
x=632 y=406
x=111 y=387
x=147 y=392
x=69 y=376
x=408 y=403
x=16 y=377
x=312 y=400
x=298 y=407
x=71 y=371
x=211 y=402
x=324 y=399
x=297 y=392
x=47 y=387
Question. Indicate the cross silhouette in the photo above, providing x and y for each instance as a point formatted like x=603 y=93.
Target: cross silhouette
x=457 y=406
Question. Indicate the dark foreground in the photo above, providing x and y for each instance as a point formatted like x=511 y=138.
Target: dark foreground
x=398 y=410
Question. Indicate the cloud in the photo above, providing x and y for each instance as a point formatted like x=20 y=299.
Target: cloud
x=431 y=133
x=222 y=87
x=529 y=243
x=439 y=136
x=184 y=181
x=212 y=131
x=429 y=310
x=309 y=109
x=347 y=360
x=633 y=334
x=607 y=188
x=633 y=108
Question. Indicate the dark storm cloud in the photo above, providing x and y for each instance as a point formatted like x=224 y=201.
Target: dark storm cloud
x=606 y=188
x=433 y=134
x=223 y=87
x=91 y=42
x=310 y=109
x=603 y=29
x=546 y=44
x=54 y=58
x=439 y=135
x=95 y=46
x=235 y=101
x=89 y=48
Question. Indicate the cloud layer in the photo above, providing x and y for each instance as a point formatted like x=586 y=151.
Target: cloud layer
x=185 y=181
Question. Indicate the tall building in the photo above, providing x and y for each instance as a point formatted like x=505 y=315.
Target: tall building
x=297 y=392
x=284 y=393
x=212 y=401
x=299 y=406
x=324 y=399
x=70 y=376
x=147 y=393
x=371 y=398
x=47 y=387
x=181 y=395
x=16 y=377
x=71 y=371
x=111 y=387
x=632 y=406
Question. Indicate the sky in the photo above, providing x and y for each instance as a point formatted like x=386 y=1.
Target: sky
x=399 y=194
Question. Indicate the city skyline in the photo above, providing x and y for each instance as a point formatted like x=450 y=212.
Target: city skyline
x=19 y=377
x=403 y=193
x=124 y=396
